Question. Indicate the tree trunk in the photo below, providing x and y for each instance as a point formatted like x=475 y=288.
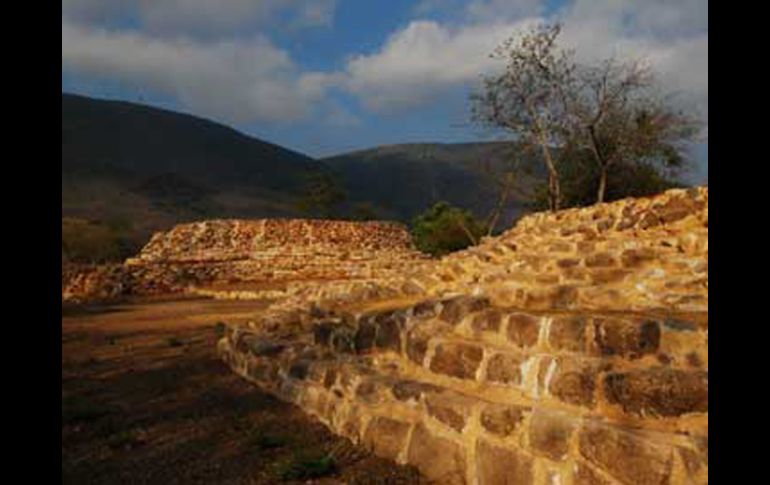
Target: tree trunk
x=554 y=188
x=602 y=185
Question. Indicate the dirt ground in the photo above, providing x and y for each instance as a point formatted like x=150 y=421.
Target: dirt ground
x=145 y=400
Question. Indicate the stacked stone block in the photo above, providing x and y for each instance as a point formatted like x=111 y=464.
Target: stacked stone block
x=572 y=349
x=474 y=393
x=266 y=258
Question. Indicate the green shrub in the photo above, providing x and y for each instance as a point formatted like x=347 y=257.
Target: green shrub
x=304 y=466
x=443 y=229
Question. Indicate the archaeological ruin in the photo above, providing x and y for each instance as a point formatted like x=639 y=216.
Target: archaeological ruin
x=571 y=349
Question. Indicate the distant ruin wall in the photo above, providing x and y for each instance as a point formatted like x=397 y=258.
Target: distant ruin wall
x=278 y=253
x=572 y=349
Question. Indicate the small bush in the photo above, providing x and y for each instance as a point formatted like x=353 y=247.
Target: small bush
x=264 y=440
x=303 y=466
x=444 y=229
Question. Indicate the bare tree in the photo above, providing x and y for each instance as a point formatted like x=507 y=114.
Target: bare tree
x=528 y=99
x=610 y=110
x=619 y=117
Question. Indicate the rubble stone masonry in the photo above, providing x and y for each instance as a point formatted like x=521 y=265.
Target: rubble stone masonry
x=251 y=259
x=572 y=349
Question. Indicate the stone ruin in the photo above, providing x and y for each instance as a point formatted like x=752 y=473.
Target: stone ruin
x=571 y=349
x=252 y=259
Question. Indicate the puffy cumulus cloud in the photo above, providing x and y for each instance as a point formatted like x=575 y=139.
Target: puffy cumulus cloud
x=200 y=18
x=421 y=62
x=426 y=59
x=671 y=35
x=234 y=81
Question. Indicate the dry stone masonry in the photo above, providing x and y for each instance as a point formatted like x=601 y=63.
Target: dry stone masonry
x=572 y=349
x=253 y=259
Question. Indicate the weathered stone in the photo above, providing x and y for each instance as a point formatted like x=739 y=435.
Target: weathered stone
x=330 y=378
x=602 y=276
x=501 y=466
x=585 y=475
x=425 y=309
x=504 y=369
x=567 y=333
x=633 y=258
x=679 y=325
x=439 y=459
x=457 y=360
x=262 y=370
x=299 y=370
x=416 y=346
x=625 y=455
x=323 y=332
x=567 y=262
x=550 y=432
x=574 y=385
x=560 y=247
x=261 y=348
x=629 y=338
x=523 y=329
x=563 y=296
x=386 y=437
x=389 y=331
x=452 y=412
x=659 y=391
x=364 y=340
x=455 y=309
x=502 y=420
x=675 y=209
x=487 y=321
x=406 y=390
x=600 y=260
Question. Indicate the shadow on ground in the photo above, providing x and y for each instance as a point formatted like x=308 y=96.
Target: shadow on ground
x=146 y=400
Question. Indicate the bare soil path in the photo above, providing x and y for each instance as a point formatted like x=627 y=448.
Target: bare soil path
x=145 y=400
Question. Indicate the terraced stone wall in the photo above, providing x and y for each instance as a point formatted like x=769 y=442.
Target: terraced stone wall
x=482 y=368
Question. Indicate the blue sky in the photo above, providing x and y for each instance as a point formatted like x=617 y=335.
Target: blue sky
x=328 y=76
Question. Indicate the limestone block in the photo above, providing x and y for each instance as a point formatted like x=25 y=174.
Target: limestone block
x=457 y=360
x=439 y=459
x=658 y=391
x=500 y=466
x=625 y=455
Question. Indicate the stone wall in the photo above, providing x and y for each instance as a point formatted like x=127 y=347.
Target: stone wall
x=252 y=259
x=572 y=349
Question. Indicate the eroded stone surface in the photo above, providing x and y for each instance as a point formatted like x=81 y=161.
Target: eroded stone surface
x=572 y=348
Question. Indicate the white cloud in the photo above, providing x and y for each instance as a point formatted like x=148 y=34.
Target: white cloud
x=419 y=63
x=200 y=18
x=238 y=82
x=426 y=59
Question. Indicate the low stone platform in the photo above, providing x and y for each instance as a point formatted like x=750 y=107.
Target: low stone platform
x=283 y=257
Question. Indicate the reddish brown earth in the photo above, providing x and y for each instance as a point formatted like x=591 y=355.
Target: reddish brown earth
x=146 y=400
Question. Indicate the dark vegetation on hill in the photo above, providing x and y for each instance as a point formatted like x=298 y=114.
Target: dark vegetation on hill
x=404 y=180
x=129 y=170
